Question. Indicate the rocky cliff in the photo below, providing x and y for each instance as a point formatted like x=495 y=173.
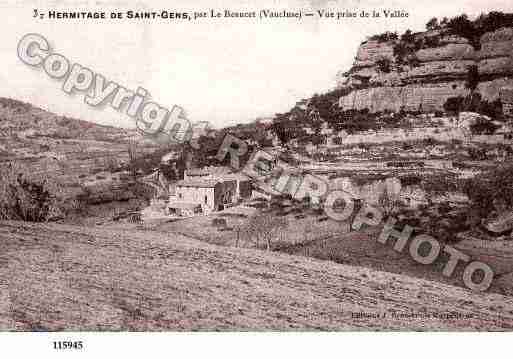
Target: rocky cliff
x=435 y=68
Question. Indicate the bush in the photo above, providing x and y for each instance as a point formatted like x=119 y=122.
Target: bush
x=432 y=42
x=491 y=109
x=432 y=24
x=477 y=154
x=219 y=222
x=472 y=77
x=386 y=36
x=462 y=26
x=474 y=103
x=384 y=65
x=454 y=104
x=410 y=180
x=490 y=189
x=29 y=199
x=483 y=126
x=400 y=52
x=408 y=37
x=441 y=185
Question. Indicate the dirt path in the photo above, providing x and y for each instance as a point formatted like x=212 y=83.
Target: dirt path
x=59 y=277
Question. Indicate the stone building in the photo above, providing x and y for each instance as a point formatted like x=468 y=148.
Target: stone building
x=207 y=190
x=506 y=96
x=200 y=196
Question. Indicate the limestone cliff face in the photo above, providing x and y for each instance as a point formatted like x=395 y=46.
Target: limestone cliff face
x=438 y=72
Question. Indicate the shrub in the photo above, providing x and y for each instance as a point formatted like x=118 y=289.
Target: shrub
x=388 y=203
x=440 y=185
x=432 y=24
x=408 y=36
x=483 y=126
x=386 y=36
x=474 y=103
x=454 y=104
x=432 y=42
x=410 y=180
x=413 y=61
x=491 y=188
x=491 y=109
x=25 y=198
x=462 y=26
x=477 y=154
x=264 y=227
x=384 y=65
x=400 y=52
x=472 y=77
x=430 y=141
x=219 y=222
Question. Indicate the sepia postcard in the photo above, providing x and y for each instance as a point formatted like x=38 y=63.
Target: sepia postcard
x=255 y=166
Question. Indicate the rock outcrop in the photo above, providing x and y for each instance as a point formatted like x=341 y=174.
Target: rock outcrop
x=381 y=81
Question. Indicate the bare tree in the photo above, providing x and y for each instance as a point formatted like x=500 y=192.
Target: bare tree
x=132 y=158
x=238 y=229
x=264 y=227
x=389 y=203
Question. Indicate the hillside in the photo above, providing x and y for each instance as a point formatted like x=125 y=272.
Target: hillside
x=38 y=137
x=66 y=150
x=57 y=277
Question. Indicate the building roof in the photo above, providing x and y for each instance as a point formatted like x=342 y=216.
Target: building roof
x=199 y=183
x=235 y=176
x=183 y=205
x=217 y=173
x=209 y=170
x=170 y=156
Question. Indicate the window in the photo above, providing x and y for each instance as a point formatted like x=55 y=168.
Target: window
x=206 y=199
x=180 y=195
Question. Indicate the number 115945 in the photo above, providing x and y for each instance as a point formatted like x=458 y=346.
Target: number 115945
x=62 y=345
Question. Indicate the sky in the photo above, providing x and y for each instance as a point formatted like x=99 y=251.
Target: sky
x=224 y=71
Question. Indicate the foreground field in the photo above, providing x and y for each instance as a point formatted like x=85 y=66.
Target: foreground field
x=60 y=277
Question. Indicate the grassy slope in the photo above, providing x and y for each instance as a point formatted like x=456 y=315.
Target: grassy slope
x=57 y=277
x=361 y=248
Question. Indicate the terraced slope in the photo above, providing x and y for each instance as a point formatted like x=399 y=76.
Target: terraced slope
x=58 y=277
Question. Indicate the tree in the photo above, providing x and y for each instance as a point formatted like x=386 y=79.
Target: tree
x=432 y=24
x=238 y=229
x=264 y=227
x=491 y=188
x=132 y=158
x=462 y=26
x=440 y=186
x=384 y=65
x=483 y=126
x=389 y=203
x=472 y=78
x=26 y=197
x=454 y=104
